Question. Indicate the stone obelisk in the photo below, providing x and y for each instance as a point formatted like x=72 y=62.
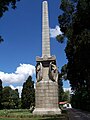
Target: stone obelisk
x=46 y=93
x=45 y=31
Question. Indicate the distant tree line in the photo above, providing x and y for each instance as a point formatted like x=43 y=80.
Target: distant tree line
x=75 y=25
x=9 y=98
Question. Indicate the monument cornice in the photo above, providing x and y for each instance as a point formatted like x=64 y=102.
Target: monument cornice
x=45 y=58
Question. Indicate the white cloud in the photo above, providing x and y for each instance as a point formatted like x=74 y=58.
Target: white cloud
x=67 y=89
x=17 y=87
x=55 y=31
x=19 y=76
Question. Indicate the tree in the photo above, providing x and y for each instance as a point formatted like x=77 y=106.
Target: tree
x=14 y=98
x=74 y=23
x=4 y=6
x=0 y=94
x=28 y=94
x=5 y=97
x=66 y=96
x=61 y=91
x=10 y=98
x=63 y=96
x=1 y=39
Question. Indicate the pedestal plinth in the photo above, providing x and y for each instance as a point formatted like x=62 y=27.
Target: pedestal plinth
x=46 y=93
x=46 y=98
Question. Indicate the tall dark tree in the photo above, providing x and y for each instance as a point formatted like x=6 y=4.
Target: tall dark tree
x=4 y=6
x=61 y=91
x=0 y=94
x=28 y=94
x=74 y=23
x=16 y=98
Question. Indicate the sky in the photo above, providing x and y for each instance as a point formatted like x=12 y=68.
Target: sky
x=22 y=32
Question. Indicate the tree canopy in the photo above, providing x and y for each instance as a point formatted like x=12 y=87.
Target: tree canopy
x=10 y=98
x=74 y=23
x=4 y=5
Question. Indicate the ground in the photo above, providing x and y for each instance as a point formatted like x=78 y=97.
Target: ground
x=75 y=114
x=27 y=115
x=24 y=114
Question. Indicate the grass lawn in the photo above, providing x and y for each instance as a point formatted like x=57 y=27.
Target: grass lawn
x=27 y=115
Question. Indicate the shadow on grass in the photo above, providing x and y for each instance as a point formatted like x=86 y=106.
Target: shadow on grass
x=52 y=119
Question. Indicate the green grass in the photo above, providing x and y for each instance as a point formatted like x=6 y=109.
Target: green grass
x=7 y=119
x=23 y=114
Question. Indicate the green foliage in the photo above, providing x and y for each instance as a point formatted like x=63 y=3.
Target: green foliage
x=61 y=91
x=66 y=96
x=1 y=39
x=28 y=94
x=64 y=72
x=1 y=94
x=74 y=23
x=4 y=6
x=60 y=38
x=9 y=98
x=63 y=96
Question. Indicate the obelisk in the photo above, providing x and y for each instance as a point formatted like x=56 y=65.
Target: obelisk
x=45 y=31
x=46 y=92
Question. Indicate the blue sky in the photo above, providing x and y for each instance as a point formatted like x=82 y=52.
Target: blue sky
x=21 y=30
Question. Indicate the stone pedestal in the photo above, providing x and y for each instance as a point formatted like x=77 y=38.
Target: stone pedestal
x=46 y=98
x=46 y=93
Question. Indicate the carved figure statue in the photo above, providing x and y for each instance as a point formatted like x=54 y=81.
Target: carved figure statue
x=39 y=71
x=53 y=72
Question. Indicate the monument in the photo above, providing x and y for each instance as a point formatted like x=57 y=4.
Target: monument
x=46 y=93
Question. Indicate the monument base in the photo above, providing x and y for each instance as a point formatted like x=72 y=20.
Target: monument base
x=46 y=111
x=46 y=98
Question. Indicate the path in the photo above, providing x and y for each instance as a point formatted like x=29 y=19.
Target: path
x=78 y=115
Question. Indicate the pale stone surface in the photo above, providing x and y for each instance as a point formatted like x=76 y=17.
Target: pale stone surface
x=45 y=31
x=47 y=111
x=47 y=98
x=46 y=93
